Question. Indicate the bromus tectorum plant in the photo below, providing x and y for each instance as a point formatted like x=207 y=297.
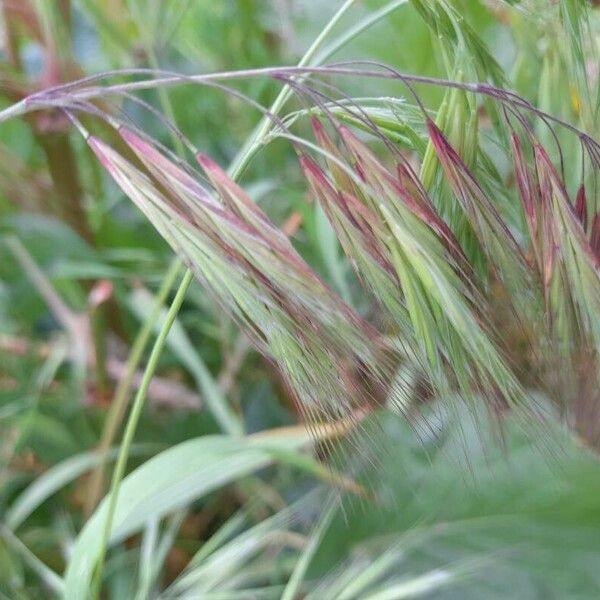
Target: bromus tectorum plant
x=442 y=297
x=471 y=232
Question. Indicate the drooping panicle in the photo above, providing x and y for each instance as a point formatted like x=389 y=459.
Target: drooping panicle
x=323 y=348
x=408 y=256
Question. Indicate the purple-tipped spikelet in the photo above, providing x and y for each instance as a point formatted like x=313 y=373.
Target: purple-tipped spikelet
x=486 y=289
x=527 y=188
x=325 y=351
x=368 y=206
x=581 y=207
x=484 y=218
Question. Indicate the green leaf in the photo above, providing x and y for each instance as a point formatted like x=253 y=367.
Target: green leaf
x=171 y=480
x=294 y=583
x=57 y=477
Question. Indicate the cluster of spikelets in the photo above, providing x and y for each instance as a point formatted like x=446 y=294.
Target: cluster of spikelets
x=543 y=277
x=487 y=293
x=319 y=343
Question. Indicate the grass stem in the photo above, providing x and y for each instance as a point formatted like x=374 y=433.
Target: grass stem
x=132 y=422
x=119 y=403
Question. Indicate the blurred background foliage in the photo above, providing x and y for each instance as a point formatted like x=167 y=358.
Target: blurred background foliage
x=448 y=509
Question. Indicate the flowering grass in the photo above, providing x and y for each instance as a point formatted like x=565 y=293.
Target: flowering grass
x=472 y=231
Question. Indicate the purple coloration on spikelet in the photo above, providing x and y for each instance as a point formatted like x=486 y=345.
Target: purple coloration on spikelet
x=581 y=206
x=595 y=237
x=446 y=280
x=329 y=356
x=477 y=207
x=553 y=189
x=365 y=222
x=549 y=243
x=526 y=186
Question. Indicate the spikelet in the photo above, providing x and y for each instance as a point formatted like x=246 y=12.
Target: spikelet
x=322 y=347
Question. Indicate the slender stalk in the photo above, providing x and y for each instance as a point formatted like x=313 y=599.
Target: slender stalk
x=163 y=97
x=119 y=403
x=292 y=589
x=98 y=336
x=64 y=95
x=254 y=141
x=348 y=35
x=132 y=422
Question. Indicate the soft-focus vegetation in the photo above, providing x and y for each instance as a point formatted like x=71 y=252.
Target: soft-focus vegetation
x=299 y=300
